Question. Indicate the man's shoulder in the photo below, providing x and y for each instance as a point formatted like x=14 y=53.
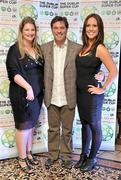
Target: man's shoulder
x=47 y=44
x=73 y=43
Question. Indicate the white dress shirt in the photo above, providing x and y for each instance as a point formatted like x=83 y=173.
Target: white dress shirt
x=58 y=91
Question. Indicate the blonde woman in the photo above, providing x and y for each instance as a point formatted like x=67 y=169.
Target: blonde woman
x=25 y=71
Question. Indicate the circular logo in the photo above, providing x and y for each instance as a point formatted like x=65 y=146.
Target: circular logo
x=8 y=138
x=88 y=10
x=72 y=36
x=7 y=36
x=4 y=88
x=107 y=132
x=46 y=37
x=6 y=111
x=111 y=90
x=28 y=10
x=111 y=39
x=2 y=59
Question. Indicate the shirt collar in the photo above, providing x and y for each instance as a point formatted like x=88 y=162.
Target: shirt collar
x=63 y=45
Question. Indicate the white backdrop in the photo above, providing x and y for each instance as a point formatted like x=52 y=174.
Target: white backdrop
x=11 y=13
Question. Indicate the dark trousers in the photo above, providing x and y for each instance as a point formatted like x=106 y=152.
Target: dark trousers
x=60 y=120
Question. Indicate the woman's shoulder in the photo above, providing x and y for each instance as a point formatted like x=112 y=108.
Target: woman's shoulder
x=101 y=49
x=14 y=47
x=14 y=51
x=75 y=44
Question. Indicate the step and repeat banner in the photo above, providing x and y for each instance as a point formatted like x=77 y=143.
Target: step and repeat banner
x=11 y=13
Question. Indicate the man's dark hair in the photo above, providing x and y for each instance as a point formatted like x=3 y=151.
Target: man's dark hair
x=59 y=18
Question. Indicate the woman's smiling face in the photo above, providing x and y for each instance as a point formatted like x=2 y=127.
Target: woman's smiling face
x=92 y=28
x=28 y=32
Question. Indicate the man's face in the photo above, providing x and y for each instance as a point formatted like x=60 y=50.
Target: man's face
x=59 y=31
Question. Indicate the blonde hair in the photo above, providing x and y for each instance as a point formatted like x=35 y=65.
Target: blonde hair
x=35 y=45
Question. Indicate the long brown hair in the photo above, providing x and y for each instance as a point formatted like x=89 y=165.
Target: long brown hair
x=35 y=45
x=100 y=36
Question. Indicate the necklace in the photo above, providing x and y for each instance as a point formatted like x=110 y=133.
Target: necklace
x=31 y=52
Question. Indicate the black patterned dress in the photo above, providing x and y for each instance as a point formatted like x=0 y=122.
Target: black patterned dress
x=26 y=113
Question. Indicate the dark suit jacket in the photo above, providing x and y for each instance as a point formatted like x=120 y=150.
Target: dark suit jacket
x=69 y=72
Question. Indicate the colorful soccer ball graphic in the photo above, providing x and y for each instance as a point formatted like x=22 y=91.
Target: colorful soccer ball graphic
x=8 y=138
x=28 y=10
x=111 y=90
x=111 y=39
x=88 y=10
x=7 y=36
x=46 y=37
x=4 y=88
x=107 y=132
x=72 y=36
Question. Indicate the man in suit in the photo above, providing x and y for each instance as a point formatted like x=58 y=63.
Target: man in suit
x=60 y=91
